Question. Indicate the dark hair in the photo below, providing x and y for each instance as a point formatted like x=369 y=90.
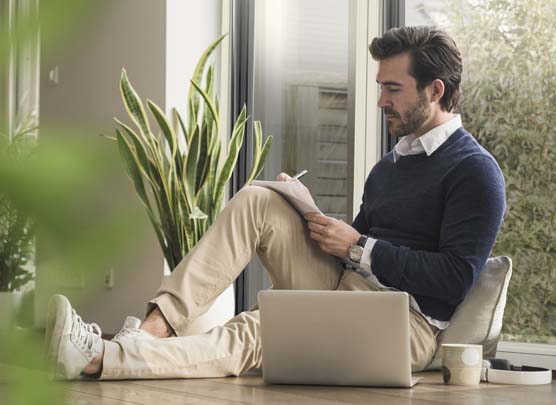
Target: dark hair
x=434 y=55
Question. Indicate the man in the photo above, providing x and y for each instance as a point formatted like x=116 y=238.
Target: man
x=430 y=214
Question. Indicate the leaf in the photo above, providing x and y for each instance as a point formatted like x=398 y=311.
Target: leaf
x=187 y=227
x=210 y=104
x=141 y=153
x=129 y=160
x=133 y=104
x=212 y=177
x=234 y=148
x=264 y=153
x=204 y=160
x=165 y=127
x=182 y=126
x=257 y=140
x=197 y=214
x=193 y=97
x=209 y=83
x=191 y=164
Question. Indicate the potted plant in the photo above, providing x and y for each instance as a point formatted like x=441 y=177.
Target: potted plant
x=177 y=170
x=16 y=231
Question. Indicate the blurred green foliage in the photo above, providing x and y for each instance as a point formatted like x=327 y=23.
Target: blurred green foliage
x=64 y=185
x=509 y=93
x=16 y=226
x=80 y=230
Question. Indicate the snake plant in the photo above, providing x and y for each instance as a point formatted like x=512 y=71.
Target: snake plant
x=177 y=172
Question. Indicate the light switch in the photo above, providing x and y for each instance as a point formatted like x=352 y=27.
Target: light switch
x=54 y=76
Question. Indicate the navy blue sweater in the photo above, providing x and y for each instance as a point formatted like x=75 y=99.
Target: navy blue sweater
x=436 y=219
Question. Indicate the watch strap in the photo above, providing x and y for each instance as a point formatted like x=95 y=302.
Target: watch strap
x=362 y=240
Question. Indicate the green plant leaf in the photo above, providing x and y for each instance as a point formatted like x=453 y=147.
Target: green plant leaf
x=197 y=214
x=191 y=164
x=262 y=157
x=187 y=226
x=257 y=140
x=129 y=160
x=233 y=152
x=209 y=83
x=140 y=150
x=133 y=104
x=165 y=127
x=193 y=97
x=210 y=105
x=183 y=128
x=204 y=160
x=212 y=178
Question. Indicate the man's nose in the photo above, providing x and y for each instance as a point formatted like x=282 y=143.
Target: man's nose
x=383 y=101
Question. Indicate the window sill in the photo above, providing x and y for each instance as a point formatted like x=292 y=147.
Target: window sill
x=531 y=354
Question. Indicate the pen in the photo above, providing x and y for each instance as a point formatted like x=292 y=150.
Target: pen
x=300 y=174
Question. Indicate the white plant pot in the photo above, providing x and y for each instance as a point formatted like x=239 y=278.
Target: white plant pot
x=10 y=303
x=219 y=313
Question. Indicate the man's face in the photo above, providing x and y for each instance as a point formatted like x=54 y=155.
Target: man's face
x=406 y=109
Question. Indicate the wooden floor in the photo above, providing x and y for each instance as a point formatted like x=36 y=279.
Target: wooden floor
x=252 y=390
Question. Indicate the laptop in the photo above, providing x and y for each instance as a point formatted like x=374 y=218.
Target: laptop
x=357 y=338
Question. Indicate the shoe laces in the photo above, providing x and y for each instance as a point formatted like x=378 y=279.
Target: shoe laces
x=127 y=333
x=87 y=335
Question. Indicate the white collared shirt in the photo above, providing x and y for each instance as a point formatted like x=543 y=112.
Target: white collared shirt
x=427 y=143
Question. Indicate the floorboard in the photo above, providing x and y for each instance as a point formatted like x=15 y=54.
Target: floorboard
x=251 y=389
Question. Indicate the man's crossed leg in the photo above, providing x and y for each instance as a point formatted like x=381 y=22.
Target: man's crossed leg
x=256 y=220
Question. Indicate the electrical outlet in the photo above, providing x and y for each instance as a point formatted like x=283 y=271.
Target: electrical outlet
x=109 y=278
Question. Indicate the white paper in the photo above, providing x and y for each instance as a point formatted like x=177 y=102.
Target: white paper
x=294 y=191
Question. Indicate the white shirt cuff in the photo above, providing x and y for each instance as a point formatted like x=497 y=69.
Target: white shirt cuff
x=366 y=257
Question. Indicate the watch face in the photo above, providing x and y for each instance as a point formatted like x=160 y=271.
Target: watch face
x=355 y=253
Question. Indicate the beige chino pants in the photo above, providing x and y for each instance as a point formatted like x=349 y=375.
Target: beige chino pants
x=256 y=220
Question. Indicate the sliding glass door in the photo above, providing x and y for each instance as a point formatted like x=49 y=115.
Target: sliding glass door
x=300 y=93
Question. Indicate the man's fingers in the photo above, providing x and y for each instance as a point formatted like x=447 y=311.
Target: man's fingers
x=316 y=227
x=317 y=218
x=284 y=177
x=316 y=236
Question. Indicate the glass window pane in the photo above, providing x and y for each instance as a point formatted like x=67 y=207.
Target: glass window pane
x=509 y=88
x=301 y=88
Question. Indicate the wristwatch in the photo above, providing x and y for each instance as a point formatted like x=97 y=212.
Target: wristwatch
x=356 y=251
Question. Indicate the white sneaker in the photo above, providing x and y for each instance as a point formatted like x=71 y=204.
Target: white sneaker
x=71 y=344
x=131 y=330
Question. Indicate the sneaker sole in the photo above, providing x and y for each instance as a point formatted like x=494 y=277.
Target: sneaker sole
x=58 y=308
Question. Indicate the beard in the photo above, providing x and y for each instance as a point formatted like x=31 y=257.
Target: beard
x=410 y=121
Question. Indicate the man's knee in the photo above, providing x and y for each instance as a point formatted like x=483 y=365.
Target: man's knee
x=268 y=203
x=262 y=196
x=255 y=191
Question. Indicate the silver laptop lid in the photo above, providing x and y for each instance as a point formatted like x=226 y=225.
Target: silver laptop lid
x=335 y=337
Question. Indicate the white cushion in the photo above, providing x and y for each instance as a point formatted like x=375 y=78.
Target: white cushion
x=478 y=319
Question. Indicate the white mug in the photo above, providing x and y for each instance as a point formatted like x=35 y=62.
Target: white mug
x=461 y=364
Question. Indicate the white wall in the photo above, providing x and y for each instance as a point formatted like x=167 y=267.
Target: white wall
x=158 y=42
x=190 y=27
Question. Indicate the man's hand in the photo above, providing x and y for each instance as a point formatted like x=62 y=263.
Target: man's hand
x=284 y=177
x=333 y=235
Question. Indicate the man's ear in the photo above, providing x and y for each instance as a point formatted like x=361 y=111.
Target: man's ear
x=437 y=87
